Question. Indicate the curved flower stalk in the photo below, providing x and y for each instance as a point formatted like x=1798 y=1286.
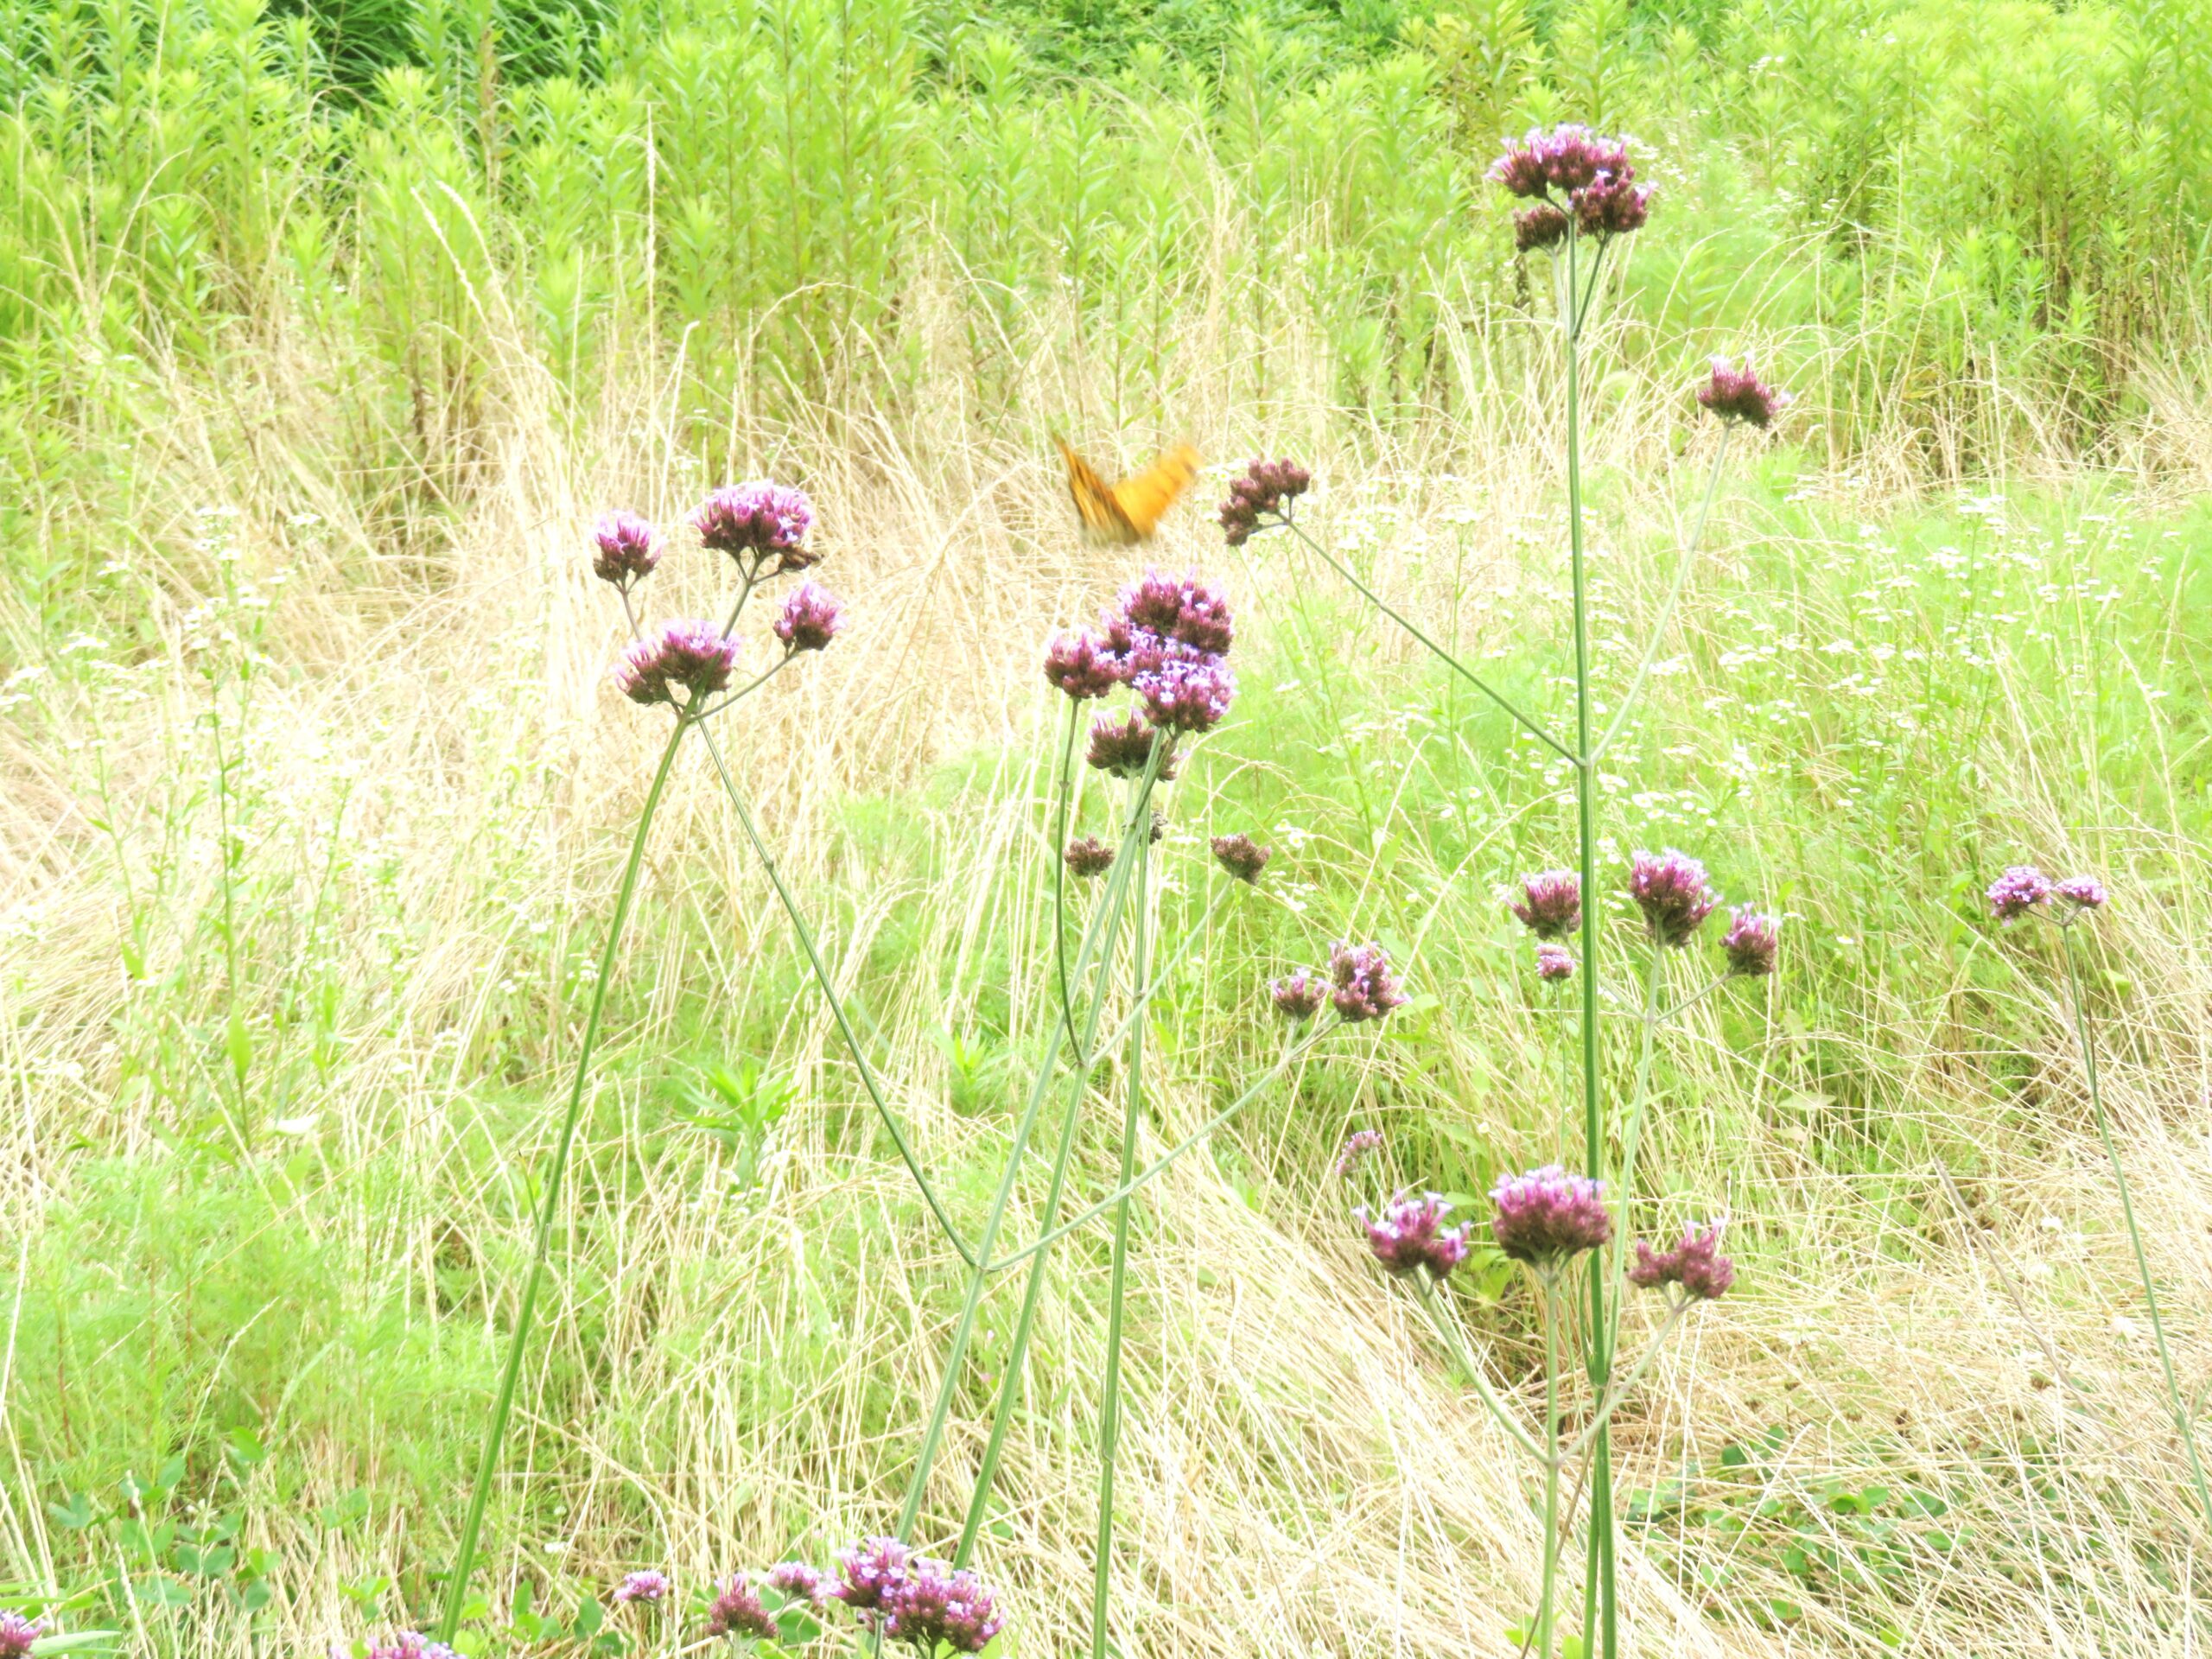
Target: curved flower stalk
x=2024 y=891
x=691 y=667
x=1582 y=200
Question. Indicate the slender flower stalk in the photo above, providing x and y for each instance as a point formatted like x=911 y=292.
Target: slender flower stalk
x=1097 y=945
x=495 y=1430
x=1109 y=1402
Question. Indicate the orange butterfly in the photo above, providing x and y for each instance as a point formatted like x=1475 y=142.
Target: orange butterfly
x=1131 y=510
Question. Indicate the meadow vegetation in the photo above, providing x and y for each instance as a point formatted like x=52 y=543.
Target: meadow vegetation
x=326 y=334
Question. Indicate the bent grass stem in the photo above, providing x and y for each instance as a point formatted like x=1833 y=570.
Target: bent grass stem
x=805 y=934
x=2183 y=1422
x=1161 y=1165
x=1524 y=721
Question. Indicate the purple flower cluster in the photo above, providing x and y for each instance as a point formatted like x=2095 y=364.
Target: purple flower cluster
x=629 y=548
x=1265 y=492
x=1088 y=856
x=1695 y=1263
x=1358 y=1147
x=1539 y=229
x=1555 y=963
x=2082 y=892
x=1120 y=747
x=1568 y=159
x=408 y=1644
x=1365 y=988
x=916 y=1599
x=691 y=657
x=1752 y=941
x=1737 y=394
x=1300 y=996
x=645 y=1585
x=2023 y=889
x=870 y=1573
x=2018 y=892
x=17 y=1633
x=802 y=1582
x=1082 y=665
x=810 y=618
x=1547 y=1214
x=1575 y=176
x=938 y=1608
x=737 y=1611
x=1671 y=890
x=1551 y=904
x=757 y=521
x=1242 y=857
x=1410 y=1233
x=1167 y=639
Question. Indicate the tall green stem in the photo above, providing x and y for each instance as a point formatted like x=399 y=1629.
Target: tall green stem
x=2187 y=1429
x=1096 y=940
x=1545 y=1594
x=1593 y=1127
x=1109 y=1402
x=503 y=1406
x=1136 y=848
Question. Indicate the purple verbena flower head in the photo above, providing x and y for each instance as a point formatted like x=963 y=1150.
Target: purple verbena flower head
x=1358 y=1147
x=629 y=548
x=1671 y=890
x=1612 y=206
x=1189 y=611
x=1263 y=492
x=645 y=1585
x=2079 y=895
x=1695 y=1263
x=1562 y=161
x=1551 y=904
x=1554 y=962
x=1365 y=988
x=1547 y=1214
x=1539 y=229
x=801 y=1582
x=17 y=1633
x=2018 y=892
x=870 y=1573
x=810 y=618
x=1737 y=394
x=1087 y=856
x=1300 y=996
x=689 y=657
x=1242 y=857
x=1120 y=747
x=1081 y=665
x=408 y=1644
x=1752 y=941
x=737 y=1610
x=1410 y=1233
x=1181 y=695
x=934 y=1607
x=760 y=522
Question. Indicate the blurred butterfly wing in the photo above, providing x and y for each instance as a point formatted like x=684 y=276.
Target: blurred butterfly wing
x=1096 y=502
x=1145 y=499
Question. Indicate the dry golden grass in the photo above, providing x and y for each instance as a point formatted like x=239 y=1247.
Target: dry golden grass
x=1299 y=1474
